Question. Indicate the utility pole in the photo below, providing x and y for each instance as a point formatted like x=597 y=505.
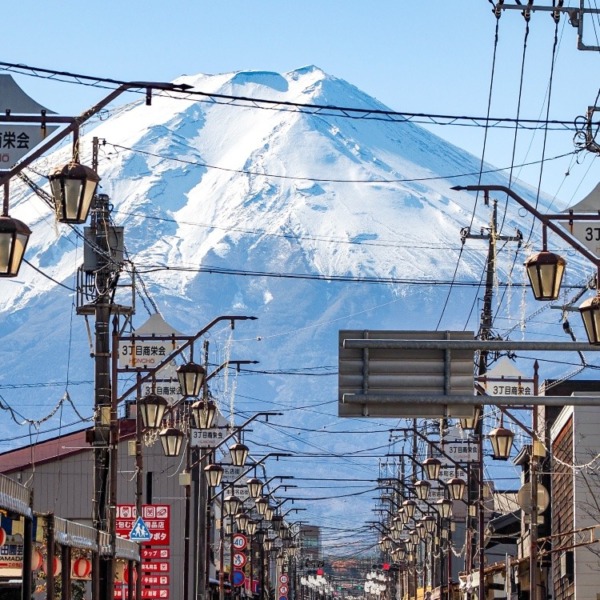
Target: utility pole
x=95 y=290
x=476 y=487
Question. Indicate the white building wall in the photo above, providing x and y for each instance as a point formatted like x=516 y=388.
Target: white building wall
x=587 y=499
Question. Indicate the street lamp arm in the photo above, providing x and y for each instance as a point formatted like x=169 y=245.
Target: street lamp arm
x=229 y=363
x=235 y=431
x=75 y=122
x=253 y=466
x=287 y=512
x=433 y=445
x=545 y=219
x=189 y=341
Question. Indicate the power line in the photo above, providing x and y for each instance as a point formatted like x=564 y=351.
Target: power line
x=359 y=113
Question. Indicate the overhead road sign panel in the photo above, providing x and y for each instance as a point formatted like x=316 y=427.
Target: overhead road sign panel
x=387 y=381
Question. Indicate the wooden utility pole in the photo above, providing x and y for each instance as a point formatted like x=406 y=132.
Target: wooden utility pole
x=476 y=487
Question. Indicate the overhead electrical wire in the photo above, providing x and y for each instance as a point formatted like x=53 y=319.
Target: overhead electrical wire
x=367 y=181
x=360 y=113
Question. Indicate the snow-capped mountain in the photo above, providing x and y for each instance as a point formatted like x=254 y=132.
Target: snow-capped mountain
x=311 y=221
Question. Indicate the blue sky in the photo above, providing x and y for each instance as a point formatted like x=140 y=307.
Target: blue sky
x=428 y=57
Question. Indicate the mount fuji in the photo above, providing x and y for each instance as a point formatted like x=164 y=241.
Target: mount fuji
x=311 y=221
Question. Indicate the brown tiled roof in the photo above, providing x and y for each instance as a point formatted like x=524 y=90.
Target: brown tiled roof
x=55 y=448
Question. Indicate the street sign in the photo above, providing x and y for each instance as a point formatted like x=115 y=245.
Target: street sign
x=283 y=590
x=238 y=578
x=210 y=438
x=240 y=541
x=587 y=233
x=155 y=553
x=139 y=531
x=239 y=560
x=231 y=473
x=156 y=567
x=506 y=380
x=141 y=351
x=147 y=593
x=165 y=384
x=18 y=140
x=156 y=517
x=283 y=578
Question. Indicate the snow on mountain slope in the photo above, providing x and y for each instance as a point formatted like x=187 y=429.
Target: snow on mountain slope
x=275 y=191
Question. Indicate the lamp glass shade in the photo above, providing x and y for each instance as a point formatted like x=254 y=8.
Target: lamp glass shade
x=430 y=523
x=255 y=487
x=251 y=527
x=502 y=440
x=422 y=489
x=242 y=519
x=268 y=544
x=171 y=440
x=456 y=487
x=73 y=187
x=545 y=271
x=409 y=508
x=269 y=512
x=231 y=505
x=590 y=313
x=152 y=410
x=277 y=522
x=191 y=377
x=386 y=543
x=203 y=413
x=444 y=507
x=413 y=536
x=239 y=454
x=471 y=422
x=432 y=467
x=214 y=474
x=14 y=235
x=261 y=505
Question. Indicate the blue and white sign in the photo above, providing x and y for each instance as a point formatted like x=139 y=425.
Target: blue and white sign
x=140 y=532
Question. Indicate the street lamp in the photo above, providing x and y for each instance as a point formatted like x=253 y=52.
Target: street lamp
x=429 y=522
x=422 y=489
x=456 y=487
x=171 y=440
x=545 y=271
x=239 y=454
x=73 y=187
x=251 y=527
x=14 y=235
x=191 y=377
x=231 y=505
x=385 y=543
x=262 y=504
x=255 y=487
x=242 y=519
x=432 y=467
x=409 y=508
x=502 y=440
x=152 y=409
x=444 y=506
x=214 y=474
x=471 y=422
x=590 y=313
x=204 y=412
